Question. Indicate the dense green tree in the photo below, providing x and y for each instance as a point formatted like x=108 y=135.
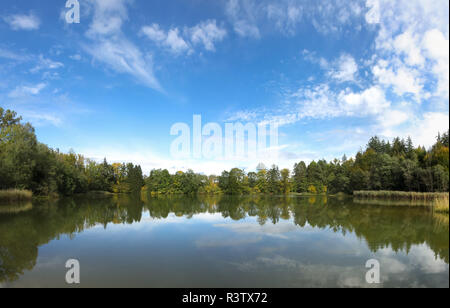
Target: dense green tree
x=233 y=182
x=286 y=184
x=261 y=184
x=135 y=179
x=273 y=180
x=18 y=147
x=300 y=178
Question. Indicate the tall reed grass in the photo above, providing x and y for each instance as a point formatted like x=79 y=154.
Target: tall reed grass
x=15 y=195
x=441 y=205
x=400 y=195
x=15 y=208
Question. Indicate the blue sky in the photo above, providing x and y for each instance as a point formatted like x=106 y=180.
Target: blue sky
x=330 y=73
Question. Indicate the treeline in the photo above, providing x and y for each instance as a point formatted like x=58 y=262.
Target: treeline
x=396 y=166
x=381 y=166
x=27 y=164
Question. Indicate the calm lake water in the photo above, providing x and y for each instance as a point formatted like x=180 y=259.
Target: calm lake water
x=221 y=242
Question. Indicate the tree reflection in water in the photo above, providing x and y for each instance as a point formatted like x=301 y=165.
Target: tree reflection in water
x=24 y=229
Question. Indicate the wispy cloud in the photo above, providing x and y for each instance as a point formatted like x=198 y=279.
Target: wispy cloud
x=111 y=47
x=243 y=18
x=345 y=69
x=171 y=39
x=23 y=22
x=251 y=17
x=23 y=91
x=46 y=64
x=10 y=55
x=206 y=33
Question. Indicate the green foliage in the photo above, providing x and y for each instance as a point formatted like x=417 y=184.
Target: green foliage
x=27 y=164
x=381 y=166
x=300 y=178
x=162 y=182
x=286 y=184
x=312 y=189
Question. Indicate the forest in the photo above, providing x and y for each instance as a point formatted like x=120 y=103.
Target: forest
x=27 y=164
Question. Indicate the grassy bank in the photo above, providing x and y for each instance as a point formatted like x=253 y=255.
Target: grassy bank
x=15 y=208
x=399 y=195
x=388 y=202
x=441 y=205
x=15 y=195
x=439 y=201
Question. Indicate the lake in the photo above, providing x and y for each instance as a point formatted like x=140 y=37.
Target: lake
x=253 y=241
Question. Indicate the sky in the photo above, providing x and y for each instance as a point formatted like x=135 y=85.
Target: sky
x=330 y=74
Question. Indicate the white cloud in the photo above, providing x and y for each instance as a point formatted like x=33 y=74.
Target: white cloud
x=373 y=14
x=171 y=40
x=426 y=129
x=207 y=33
x=40 y=119
x=424 y=258
x=124 y=57
x=286 y=16
x=415 y=53
x=22 y=91
x=423 y=128
x=10 y=55
x=320 y=102
x=391 y=118
x=110 y=46
x=279 y=230
x=242 y=15
x=154 y=33
x=108 y=18
x=313 y=58
x=76 y=57
x=403 y=79
x=407 y=43
x=369 y=102
x=175 y=42
x=436 y=46
x=46 y=64
x=245 y=29
x=23 y=22
x=346 y=69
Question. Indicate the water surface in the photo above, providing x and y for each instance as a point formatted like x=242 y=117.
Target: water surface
x=256 y=241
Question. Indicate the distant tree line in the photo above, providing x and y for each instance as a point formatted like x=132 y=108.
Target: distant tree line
x=398 y=165
x=382 y=165
x=28 y=164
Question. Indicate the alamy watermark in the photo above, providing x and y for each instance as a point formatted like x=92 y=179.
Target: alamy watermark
x=73 y=274
x=233 y=141
x=73 y=14
x=373 y=275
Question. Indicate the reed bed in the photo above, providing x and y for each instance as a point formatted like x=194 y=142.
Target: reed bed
x=439 y=202
x=15 y=195
x=388 y=202
x=441 y=205
x=400 y=195
x=15 y=208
